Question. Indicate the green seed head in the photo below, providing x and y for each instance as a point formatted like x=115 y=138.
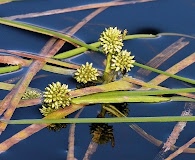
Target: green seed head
x=122 y=61
x=57 y=95
x=31 y=94
x=46 y=110
x=112 y=40
x=86 y=73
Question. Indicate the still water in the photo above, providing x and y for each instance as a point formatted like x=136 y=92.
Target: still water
x=150 y=17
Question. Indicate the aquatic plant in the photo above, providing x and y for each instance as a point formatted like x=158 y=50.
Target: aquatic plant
x=96 y=87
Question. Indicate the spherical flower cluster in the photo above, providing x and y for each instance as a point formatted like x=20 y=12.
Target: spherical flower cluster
x=57 y=95
x=111 y=40
x=86 y=73
x=122 y=61
x=31 y=93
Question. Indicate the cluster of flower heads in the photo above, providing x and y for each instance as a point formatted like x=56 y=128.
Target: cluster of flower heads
x=112 y=42
x=56 y=96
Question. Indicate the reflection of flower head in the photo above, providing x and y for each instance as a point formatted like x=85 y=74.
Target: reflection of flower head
x=57 y=95
x=102 y=133
x=86 y=73
x=122 y=107
x=122 y=61
x=111 y=40
x=46 y=110
x=56 y=126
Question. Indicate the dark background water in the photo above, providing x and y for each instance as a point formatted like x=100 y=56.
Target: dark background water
x=152 y=17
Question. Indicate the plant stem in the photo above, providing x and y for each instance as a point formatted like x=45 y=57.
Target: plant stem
x=175 y=34
x=80 y=50
x=75 y=52
x=107 y=72
x=135 y=36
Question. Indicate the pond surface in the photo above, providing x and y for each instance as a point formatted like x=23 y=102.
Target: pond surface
x=150 y=17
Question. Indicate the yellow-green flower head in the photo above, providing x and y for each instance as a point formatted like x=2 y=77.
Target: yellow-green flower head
x=31 y=94
x=57 y=95
x=46 y=110
x=112 y=40
x=86 y=73
x=122 y=61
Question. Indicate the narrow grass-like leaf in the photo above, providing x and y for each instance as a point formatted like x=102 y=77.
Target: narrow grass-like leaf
x=7 y=1
x=118 y=99
x=138 y=93
x=8 y=69
x=104 y=120
x=45 y=32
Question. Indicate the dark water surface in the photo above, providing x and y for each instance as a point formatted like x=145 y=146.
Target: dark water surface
x=152 y=17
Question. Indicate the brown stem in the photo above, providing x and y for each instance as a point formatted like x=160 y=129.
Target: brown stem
x=181 y=149
x=71 y=139
x=13 y=60
x=35 y=57
x=77 y=8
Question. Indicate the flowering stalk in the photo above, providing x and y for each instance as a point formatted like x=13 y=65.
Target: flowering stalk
x=111 y=41
x=107 y=77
